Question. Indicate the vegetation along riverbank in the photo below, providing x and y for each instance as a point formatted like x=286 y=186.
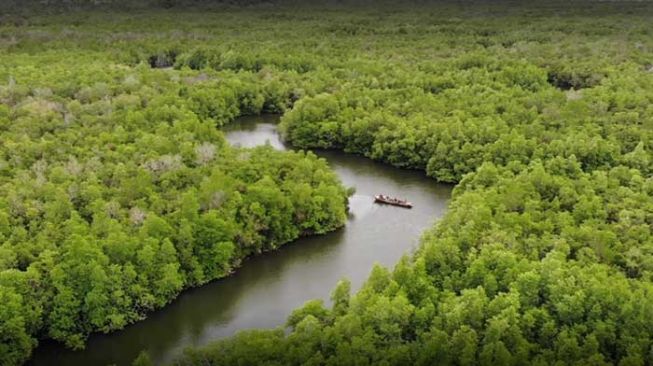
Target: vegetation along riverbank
x=117 y=190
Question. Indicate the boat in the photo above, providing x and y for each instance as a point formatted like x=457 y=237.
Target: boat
x=381 y=198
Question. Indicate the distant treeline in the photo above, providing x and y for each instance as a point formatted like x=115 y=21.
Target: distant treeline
x=144 y=4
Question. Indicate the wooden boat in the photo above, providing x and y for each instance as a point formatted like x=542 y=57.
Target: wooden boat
x=381 y=198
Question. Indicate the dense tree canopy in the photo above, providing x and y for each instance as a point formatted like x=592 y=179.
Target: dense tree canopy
x=117 y=191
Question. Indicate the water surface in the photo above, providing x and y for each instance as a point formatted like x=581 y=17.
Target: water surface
x=267 y=288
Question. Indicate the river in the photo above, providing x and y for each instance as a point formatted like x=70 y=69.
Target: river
x=264 y=291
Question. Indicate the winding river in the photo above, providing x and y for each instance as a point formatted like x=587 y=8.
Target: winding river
x=267 y=288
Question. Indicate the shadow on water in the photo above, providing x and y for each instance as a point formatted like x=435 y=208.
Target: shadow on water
x=264 y=291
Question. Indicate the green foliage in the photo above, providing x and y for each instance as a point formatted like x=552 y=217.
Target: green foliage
x=16 y=341
x=117 y=191
x=143 y=359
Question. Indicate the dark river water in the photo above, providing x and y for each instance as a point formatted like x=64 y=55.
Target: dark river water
x=264 y=291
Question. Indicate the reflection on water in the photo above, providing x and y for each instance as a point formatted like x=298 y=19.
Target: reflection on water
x=267 y=288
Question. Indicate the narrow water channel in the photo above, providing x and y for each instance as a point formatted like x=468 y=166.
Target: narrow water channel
x=267 y=288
